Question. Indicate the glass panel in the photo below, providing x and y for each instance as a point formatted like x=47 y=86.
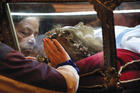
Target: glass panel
x=74 y=25
x=127 y=26
x=127 y=14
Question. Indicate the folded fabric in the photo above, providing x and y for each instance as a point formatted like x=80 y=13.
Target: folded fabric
x=131 y=40
x=126 y=37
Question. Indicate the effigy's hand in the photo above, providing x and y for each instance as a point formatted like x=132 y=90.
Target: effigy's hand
x=55 y=52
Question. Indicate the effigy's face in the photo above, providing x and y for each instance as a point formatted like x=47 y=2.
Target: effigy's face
x=77 y=40
x=27 y=30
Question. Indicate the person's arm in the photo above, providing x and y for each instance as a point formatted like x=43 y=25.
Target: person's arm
x=14 y=65
x=61 y=60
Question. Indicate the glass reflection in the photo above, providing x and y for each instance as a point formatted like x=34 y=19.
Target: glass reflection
x=32 y=25
x=78 y=30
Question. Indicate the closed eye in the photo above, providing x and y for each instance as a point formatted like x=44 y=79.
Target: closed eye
x=26 y=32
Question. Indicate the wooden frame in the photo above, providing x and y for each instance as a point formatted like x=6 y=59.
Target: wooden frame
x=45 y=1
x=58 y=0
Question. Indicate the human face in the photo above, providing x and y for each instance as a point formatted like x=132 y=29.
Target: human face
x=27 y=30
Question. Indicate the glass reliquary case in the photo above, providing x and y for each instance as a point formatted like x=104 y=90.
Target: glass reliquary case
x=77 y=25
x=75 y=22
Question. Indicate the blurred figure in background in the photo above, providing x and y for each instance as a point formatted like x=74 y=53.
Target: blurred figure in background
x=31 y=29
x=27 y=30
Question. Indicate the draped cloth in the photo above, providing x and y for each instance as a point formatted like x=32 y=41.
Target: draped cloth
x=128 y=66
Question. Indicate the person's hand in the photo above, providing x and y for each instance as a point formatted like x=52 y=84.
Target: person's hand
x=55 y=52
x=29 y=57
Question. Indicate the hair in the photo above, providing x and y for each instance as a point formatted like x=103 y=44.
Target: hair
x=77 y=40
x=45 y=23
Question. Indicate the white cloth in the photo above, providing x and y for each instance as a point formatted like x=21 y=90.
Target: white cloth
x=131 y=40
x=126 y=37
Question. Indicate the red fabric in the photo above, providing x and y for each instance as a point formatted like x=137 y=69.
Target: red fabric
x=126 y=56
x=123 y=56
x=130 y=75
x=90 y=63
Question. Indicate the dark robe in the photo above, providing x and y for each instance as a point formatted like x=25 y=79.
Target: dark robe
x=14 y=65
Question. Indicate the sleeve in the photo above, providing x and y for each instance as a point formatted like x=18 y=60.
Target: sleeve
x=15 y=66
x=4 y=49
x=70 y=72
x=71 y=76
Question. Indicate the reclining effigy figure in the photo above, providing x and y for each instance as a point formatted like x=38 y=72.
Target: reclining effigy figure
x=81 y=41
x=90 y=77
x=78 y=40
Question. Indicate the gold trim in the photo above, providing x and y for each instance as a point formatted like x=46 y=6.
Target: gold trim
x=134 y=61
x=92 y=72
x=92 y=86
x=127 y=81
x=129 y=63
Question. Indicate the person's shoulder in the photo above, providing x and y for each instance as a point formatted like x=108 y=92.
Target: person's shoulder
x=4 y=49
